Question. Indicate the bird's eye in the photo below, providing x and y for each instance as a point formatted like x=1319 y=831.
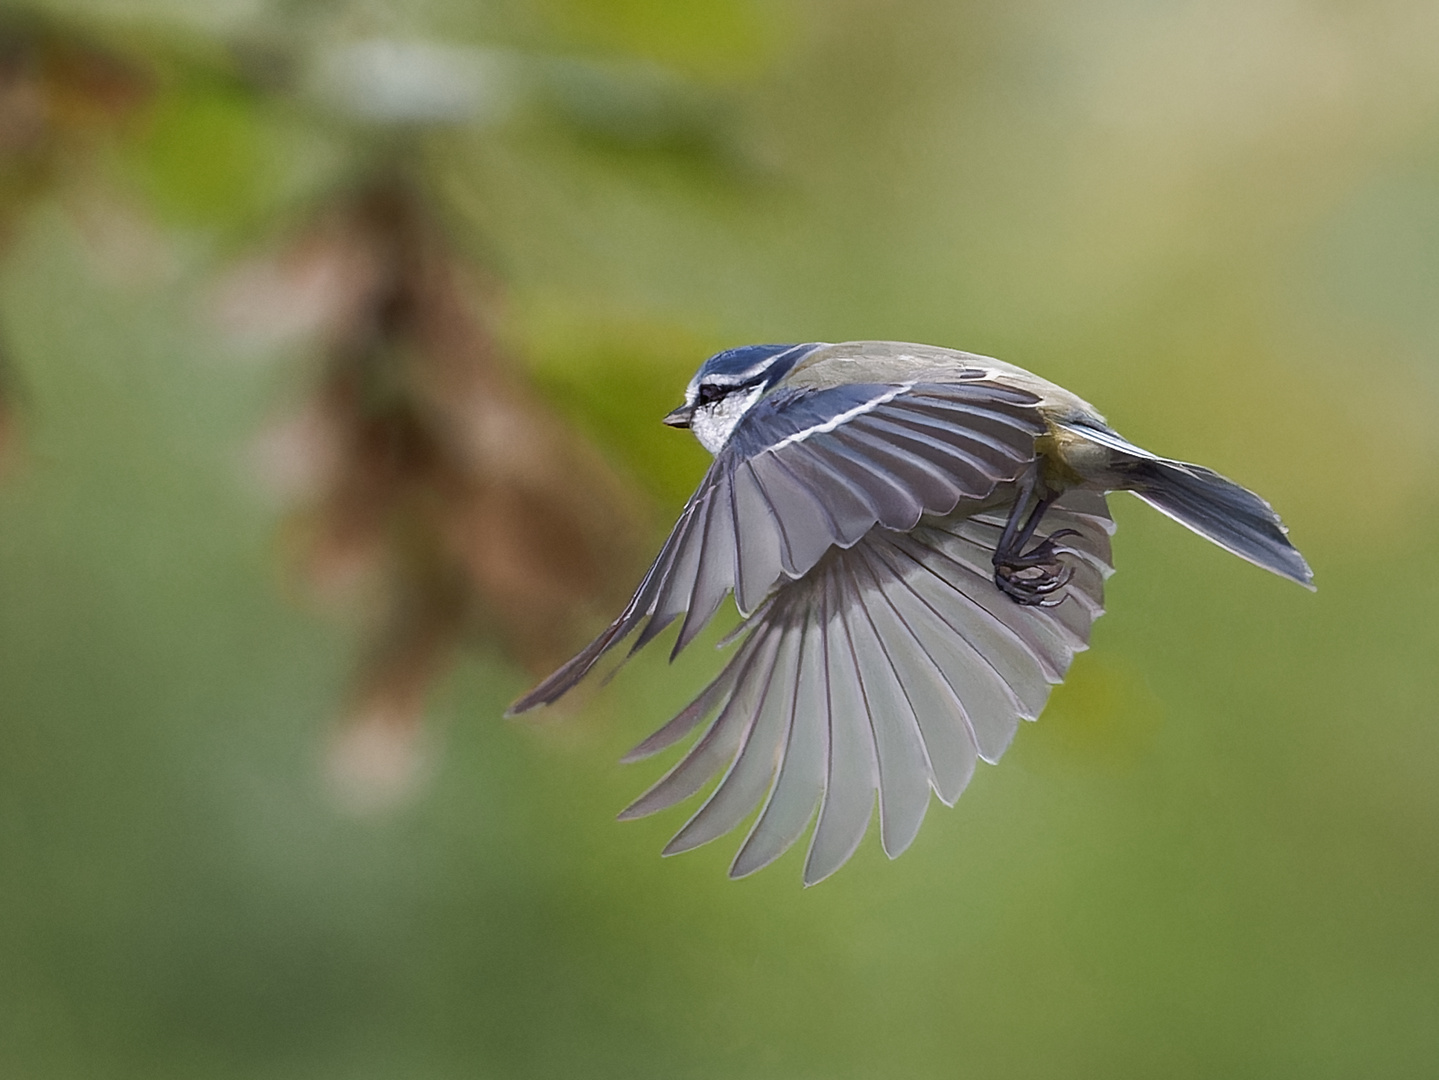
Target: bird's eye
x=709 y=393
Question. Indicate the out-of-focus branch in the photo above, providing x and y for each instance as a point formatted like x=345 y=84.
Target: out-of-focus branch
x=427 y=471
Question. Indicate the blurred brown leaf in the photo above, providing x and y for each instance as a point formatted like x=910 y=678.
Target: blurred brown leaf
x=59 y=92
x=426 y=470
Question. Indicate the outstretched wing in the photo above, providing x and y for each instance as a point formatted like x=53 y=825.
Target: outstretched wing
x=810 y=470
x=889 y=668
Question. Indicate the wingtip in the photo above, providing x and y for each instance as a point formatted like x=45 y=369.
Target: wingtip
x=893 y=851
x=895 y=839
x=522 y=705
x=659 y=797
x=683 y=841
x=743 y=867
x=813 y=878
x=546 y=693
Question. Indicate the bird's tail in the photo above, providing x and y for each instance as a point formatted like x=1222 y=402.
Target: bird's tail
x=1214 y=506
x=1220 y=510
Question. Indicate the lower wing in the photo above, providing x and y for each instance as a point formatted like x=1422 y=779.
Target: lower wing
x=888 y=669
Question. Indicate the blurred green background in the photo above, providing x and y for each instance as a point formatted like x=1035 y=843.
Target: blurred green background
x=1217 y=854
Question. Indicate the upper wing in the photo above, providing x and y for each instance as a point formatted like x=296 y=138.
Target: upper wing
x=808 y=470
x=890 y=668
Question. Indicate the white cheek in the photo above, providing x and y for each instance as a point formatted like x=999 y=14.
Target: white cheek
x=713 y=424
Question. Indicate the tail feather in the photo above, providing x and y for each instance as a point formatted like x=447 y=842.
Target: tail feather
x=1220 y=510
x=1214 y=506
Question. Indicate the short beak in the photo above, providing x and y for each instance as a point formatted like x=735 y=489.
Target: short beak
x=680 y=417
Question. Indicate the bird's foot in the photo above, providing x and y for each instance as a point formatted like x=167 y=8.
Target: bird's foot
x=1032 y=578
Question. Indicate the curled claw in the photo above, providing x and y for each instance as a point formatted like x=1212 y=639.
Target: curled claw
x=1043 y=553
x=1032 y=577
x=1052 y=537
x=1033 y=591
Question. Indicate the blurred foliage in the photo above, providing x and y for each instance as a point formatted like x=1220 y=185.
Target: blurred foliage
x=1215 y=853
x=203 y=159
x=725 y=40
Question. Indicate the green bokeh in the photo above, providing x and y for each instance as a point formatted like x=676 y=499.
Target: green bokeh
x=1216 y=855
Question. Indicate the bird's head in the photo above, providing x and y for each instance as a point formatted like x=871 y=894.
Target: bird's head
x=727 y=385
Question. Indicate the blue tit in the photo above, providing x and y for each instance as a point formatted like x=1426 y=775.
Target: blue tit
x=917 y=541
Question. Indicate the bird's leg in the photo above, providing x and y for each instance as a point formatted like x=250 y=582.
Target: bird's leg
x=1030 y=577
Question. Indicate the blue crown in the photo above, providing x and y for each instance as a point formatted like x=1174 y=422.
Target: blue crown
x=753 y=363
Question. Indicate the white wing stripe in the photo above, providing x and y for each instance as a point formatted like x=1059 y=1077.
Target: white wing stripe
x=840 y=418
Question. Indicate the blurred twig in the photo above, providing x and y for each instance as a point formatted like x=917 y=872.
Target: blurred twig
x=424 y=468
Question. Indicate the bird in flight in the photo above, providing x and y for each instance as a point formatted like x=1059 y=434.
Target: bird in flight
x=917 y=541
